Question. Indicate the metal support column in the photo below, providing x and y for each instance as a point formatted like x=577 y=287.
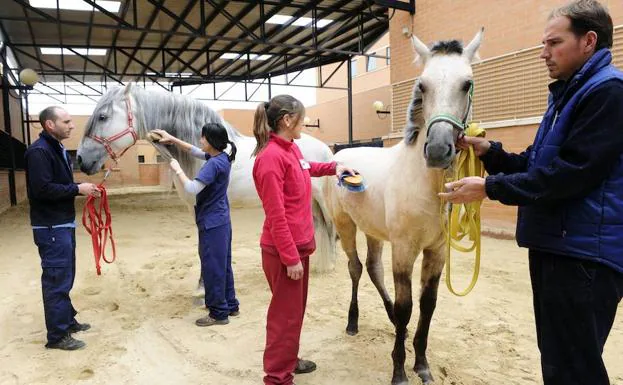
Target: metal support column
x=27 y=117
x=270 y=89
x=7 y=126
x=350 y=101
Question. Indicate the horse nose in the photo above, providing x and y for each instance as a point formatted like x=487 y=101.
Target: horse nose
x=438 y=154
x=79 y=160
x=437 y=150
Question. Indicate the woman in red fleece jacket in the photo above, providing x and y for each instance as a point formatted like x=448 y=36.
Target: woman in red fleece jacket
x=282 y=179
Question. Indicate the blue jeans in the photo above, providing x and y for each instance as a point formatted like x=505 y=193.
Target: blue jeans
x=575 y=303
x=218 y=277
x=57 y=249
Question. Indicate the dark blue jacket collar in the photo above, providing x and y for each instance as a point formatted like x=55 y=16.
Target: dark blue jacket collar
x=51 y=140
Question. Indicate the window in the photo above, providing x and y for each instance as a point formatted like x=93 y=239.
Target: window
x=141 y=158
x=387 y=53
x=353 y=68
x=371 y=63
x=74 y=159
x=159 y=159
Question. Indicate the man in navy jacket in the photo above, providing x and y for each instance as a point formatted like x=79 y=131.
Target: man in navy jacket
x=51 y=194
x=569 y=189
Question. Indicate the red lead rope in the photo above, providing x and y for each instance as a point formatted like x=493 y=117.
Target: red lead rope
x=99 y=228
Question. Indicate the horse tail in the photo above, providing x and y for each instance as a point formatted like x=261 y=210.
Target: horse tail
x=325 y=234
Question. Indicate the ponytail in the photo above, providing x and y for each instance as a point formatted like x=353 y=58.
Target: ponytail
x=261 y=129
x=234 y=150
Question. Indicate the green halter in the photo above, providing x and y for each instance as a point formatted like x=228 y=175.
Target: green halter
x=460 y=124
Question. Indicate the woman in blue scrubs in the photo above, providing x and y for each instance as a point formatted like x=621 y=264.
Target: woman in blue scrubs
x=212 y=217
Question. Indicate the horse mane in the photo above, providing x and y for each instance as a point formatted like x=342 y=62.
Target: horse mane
x=181 y=116
x=415 y=117
x=447 y=47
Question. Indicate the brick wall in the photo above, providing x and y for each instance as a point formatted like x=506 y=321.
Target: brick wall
x=509 y=26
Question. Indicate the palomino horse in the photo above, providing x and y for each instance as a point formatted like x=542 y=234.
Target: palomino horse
x=400 y=204
x=123 y=115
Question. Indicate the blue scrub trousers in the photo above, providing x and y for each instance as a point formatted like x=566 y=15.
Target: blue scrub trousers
x=57 y=249
x=218 y=277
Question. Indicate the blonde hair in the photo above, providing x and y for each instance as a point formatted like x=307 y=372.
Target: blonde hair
x=268 y=115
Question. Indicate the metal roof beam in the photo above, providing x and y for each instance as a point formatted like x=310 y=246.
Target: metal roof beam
x=292 y=5
x=111 y=15
x=273 y=33
x=222 y=31
x=235 y=20
x=152 y=19
x=202 y=27
x=180 y=20
x=88 y=38
x=402 y=6
x=178 y=33
x=32 y=35
x=322 y=41
x=111 y=52
x=61 y=71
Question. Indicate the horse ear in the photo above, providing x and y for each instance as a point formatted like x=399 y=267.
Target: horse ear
x=421 y=49
x=128 y=87
x=415 y=116
x=471 y=51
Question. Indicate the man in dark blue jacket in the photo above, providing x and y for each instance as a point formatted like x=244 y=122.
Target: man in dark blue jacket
x=569 y=189
x=51 y=193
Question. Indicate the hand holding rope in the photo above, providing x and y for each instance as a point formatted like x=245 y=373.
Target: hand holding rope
x=464 y=218
x=98 y=223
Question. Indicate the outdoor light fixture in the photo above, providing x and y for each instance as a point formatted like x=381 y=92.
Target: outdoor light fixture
x=28 y=77
x=381 y=110
x=307 y=122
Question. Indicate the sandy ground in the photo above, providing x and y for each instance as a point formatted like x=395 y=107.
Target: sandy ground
x=142 y=313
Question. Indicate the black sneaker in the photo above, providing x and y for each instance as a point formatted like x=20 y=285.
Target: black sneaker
x=66 y=343
x=78 y=327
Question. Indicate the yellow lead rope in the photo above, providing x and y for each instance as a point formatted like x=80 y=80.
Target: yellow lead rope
x=464 y=219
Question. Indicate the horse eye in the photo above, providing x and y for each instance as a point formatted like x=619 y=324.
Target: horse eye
x=102 y=117
x=467 y=85
x=421 y=87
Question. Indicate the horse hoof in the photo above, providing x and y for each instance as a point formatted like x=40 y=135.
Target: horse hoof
x=352 y=331
x=404 y=382
x=426 y=376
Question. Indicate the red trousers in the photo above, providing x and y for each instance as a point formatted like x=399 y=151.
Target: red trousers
x=284 y=320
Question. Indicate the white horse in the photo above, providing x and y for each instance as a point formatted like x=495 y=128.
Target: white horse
x=125 y=114
x=400 y=204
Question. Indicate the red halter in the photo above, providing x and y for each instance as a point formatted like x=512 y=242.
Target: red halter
x=106 y=142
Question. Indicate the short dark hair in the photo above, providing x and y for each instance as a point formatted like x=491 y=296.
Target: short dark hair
x=216 y=135
x=588 y=15
x=48 y=113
